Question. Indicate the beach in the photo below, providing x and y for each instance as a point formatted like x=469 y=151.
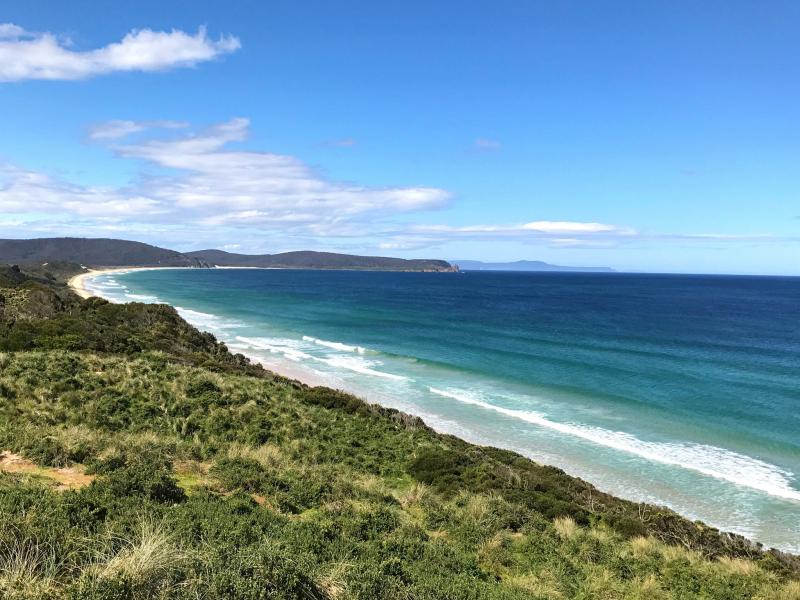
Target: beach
x=78 y=282
x=621 y=380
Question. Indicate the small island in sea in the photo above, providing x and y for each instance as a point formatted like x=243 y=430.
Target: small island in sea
x=159 y=461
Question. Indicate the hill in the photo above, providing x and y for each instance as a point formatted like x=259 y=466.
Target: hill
x=93 y=252
x=124 y=253
x=524 y=265
x=139 y=458
x=317 y=260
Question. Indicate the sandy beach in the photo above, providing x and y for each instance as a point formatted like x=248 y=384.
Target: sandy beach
x=78 y=282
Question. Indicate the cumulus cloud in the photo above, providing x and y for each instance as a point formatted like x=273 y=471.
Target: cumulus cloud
x=211 y=184
x=9 y=31
x=206 y=185
x=23 y=191
x=224 y=186
x=27 y=55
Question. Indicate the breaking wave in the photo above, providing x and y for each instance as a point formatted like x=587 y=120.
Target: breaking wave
x=702 y=458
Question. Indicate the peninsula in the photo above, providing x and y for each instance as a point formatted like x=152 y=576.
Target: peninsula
x=101 y=252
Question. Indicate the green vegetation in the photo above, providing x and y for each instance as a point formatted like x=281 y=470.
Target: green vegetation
x=94 y=252
x=208 y=477
x=307 y=259
x=110 y=253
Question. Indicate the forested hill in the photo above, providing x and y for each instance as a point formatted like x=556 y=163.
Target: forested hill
x=124 y=253
x=140 y=459
x=307 y=259
x=93 y=252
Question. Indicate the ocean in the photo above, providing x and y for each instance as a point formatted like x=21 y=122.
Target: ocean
x=677 y=390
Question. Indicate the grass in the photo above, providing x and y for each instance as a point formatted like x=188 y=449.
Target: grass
x=27 y=570
x=211 y=478
x=337 y=492
x=147 y=559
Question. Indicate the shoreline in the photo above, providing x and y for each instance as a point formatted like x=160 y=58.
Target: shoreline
x=77 y=283
x=286 y=369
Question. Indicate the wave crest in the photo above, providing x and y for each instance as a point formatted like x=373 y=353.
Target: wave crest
x=702 y=458
x=335 y=345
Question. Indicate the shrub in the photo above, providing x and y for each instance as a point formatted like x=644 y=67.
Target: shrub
x=441 y=468
x=240 y=473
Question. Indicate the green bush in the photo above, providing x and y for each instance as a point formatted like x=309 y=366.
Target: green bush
x=241 y=473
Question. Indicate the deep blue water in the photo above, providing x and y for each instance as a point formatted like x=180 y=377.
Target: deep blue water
x=681 y=390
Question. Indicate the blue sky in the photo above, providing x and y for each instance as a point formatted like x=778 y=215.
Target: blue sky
x=647 y=136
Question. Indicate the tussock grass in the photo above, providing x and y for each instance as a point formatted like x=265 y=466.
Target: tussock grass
x=789 y=591
x=645 y=588
x=602 y=585
x=476 y=507
x=268 y=455
x=543 y=584
x=645 y=546
x=566 y=528
x=493 y=554
x=27 y=569
x=601 y=534
x=413 y=495
x=372 y=484
x=737 y=566
x=333 y=581
x=147 y=558
x=681 y=554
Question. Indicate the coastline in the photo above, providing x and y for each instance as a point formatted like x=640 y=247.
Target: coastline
x=77 y=283
x=288 y=370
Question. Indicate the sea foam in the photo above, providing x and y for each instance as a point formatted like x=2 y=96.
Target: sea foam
x=284 y=346
x=359 y=365
x=301 y=350
x=335 y=345
x=703 y=458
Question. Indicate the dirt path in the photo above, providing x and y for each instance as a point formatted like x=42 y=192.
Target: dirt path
x=66 y=478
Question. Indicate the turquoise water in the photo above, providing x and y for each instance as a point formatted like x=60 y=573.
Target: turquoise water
x=676 y=390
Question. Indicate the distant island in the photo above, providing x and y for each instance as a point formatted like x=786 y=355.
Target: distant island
x=103 y=252
x=524 y=265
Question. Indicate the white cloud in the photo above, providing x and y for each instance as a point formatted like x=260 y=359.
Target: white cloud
x=204 y=187
x=553 y=229
x=213 y=185
x=727 y=236
x=24 y=191
x=9 y=31
x=114 y=130
x=566 y=227
x=25 y=55
x=223 y=186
